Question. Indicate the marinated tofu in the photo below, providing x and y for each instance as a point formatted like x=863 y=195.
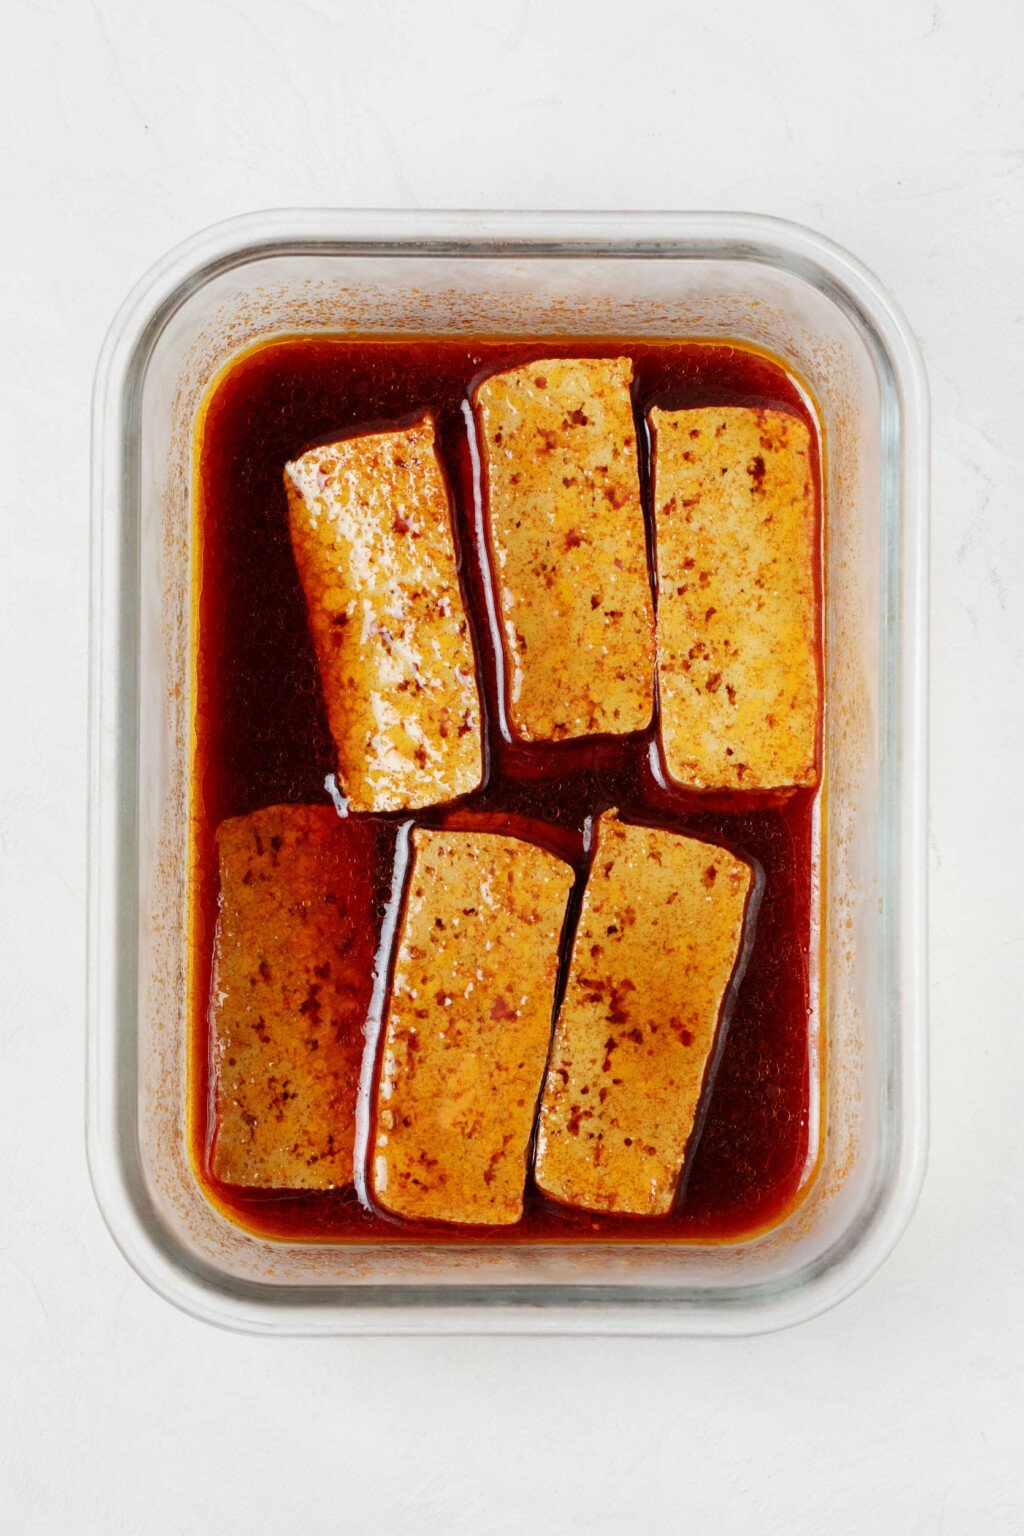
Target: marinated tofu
x=654 y=953
x=568 y=547
x=737 y=552
x=372 y=534
x=292 y=979
x=467 y=1028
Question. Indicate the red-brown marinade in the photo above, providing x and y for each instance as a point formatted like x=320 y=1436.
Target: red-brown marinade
x=261 y=738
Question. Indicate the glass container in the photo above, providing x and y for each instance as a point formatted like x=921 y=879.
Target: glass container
x=686 y=275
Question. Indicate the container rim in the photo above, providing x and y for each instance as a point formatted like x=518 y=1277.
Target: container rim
x=502 y=1309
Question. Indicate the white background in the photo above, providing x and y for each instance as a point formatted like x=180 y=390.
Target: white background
x=897 y=129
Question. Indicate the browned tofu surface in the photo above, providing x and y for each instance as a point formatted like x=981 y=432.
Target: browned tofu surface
x=468 y=1026
x=293 y=974
x=568 y=545
x=372 y=534
x=737 y=642
x=653 y=956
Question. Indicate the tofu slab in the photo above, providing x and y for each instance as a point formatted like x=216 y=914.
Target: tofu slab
x=467 y=1029
x=293 y=975
x=657 y=942
x=737 y=631
x=372 y=534
x=569 y=549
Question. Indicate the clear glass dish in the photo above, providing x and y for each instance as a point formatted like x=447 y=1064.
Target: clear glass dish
x=661 y=275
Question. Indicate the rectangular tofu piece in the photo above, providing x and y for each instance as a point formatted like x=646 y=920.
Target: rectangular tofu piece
x=737 y=550
x=292 y=980
x=371 y=529
x=468 y=1027
x=654 y=953
x=569 y=547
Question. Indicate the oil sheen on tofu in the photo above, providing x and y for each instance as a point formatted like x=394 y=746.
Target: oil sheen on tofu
x=736 y=544
x=653 y=956
x=467 y=1029
x=293 y=974
x=568 y=547
x=372 y=535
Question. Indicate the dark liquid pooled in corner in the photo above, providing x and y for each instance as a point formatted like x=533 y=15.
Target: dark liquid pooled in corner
x=262 y=739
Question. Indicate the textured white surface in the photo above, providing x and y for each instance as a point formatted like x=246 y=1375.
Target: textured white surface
x=899 y=131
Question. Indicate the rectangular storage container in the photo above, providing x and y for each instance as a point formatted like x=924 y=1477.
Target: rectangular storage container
x=715 y=276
